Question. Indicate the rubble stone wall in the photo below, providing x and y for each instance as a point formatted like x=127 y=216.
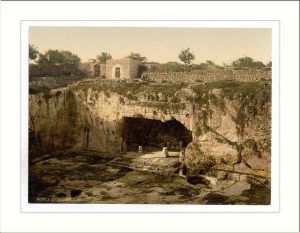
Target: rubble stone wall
x=211 y=76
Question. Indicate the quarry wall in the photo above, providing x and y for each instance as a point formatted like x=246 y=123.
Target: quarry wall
x=231 y=127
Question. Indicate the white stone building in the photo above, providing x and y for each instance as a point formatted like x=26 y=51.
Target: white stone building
x=124 y=68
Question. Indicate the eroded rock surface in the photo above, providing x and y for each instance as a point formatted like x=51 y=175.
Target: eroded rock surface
x=230 y=122
x=89 y=177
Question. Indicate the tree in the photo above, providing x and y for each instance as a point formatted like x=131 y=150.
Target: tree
x=58 y=62
x=137 y=57
x=209 y=62
x=186 y=56
x=103 y=57
x=33 y=52
x=257 y=65
x=141 y=69
x=243 y=62
x=247 y=62
x=203 y=66
x=269 y=64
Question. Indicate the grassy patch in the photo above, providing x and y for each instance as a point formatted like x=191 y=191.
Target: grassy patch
x=234 y=88
x=241 y=89
x=38 y=88
x=122 y=101
x=201 y=94
x=223 y=84
x=135 y=178
x=130 y=90
x=55 y=81
x=198 y=132
x=258 y=195
x=217 y=199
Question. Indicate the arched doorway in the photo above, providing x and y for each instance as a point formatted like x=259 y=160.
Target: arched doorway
x=117 y=72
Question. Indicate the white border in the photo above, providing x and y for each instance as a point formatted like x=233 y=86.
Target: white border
x=151 y=208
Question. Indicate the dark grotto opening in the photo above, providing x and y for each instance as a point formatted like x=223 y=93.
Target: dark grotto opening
x=153 y=135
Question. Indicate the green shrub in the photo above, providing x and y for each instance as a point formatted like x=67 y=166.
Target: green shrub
x=35 y=89
x=122 y=101
x=198 y=132
x=129 y=90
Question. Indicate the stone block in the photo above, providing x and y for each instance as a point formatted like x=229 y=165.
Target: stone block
x=140 y=149
x=234 y=176
x=241 y=167
x=165 y=152
x=221 y=175
x=243 y=177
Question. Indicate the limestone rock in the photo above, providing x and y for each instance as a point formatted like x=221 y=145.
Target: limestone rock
x=242 y=168
x=91 y=119
x=197 y=160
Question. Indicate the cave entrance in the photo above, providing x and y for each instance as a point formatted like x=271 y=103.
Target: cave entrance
x=153 y=135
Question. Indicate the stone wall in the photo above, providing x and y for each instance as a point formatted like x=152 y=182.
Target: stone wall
x=102 y=70
x=211 y=76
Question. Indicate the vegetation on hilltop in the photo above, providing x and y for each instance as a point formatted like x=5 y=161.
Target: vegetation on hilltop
x=252 y=97
x=186 y=56
x=33 y=52
x=230 y=89
x=248 y=63
x=137 y=57
x=129 y=89
x=103 y=57
x=53 y=63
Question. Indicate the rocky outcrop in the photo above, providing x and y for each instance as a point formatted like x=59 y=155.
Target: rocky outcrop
x=60 y=120
x=235 y=136
x=230 y=122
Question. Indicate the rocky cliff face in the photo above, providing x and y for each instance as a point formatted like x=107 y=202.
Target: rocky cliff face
x=230 y=121
x=63 y=120
x=233 y=131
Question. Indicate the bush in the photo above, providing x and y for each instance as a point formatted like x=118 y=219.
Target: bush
x=35 y=89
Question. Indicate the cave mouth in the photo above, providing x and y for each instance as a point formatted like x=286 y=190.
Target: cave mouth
x=153 y=135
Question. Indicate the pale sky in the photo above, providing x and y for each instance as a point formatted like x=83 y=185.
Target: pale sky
x=157 y=44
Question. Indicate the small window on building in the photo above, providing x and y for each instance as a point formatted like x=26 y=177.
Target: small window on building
x=117 y=72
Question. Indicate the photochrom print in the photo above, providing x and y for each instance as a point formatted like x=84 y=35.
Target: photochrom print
x=149 y=115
